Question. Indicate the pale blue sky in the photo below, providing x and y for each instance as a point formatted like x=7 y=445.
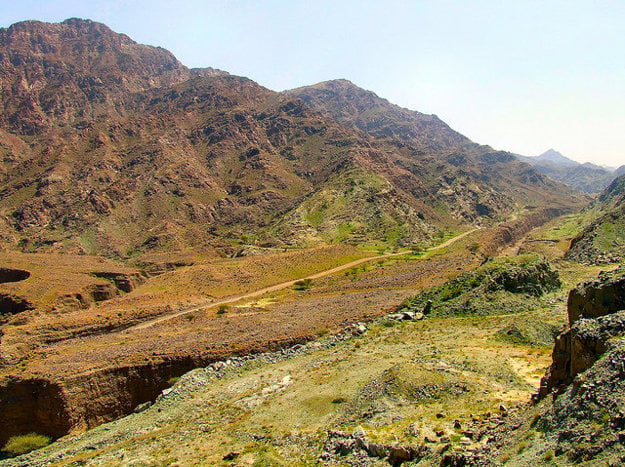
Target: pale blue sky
x=518 y=75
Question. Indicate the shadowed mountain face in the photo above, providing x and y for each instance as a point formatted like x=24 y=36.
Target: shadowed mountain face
x=108 y=146
x=588 y=178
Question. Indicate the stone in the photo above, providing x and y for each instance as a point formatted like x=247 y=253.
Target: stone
x=399 y=454
x=344 y=447
x=453 y=460
x=230 y=456
x=377 y=450
x=141 y=407
x=358 y=432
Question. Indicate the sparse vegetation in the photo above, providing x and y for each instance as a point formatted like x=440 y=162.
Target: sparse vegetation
x=496 y=287
x=18 y=445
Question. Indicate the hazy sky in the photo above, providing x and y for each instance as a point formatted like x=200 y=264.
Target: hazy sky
x=522 y=76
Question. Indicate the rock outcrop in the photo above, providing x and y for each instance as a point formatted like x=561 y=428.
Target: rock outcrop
x=596 y=313
x=586 y=420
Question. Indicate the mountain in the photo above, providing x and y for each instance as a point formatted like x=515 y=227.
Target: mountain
x=619 y=171
x=551 y=156
x=587 y=177
x=112 y=147
x=427 y=147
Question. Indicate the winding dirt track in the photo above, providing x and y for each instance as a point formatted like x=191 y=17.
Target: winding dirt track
x=283 y=285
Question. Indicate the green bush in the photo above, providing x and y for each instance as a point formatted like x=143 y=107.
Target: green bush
x=18 y=445
x=223 y=309
x=304 y=284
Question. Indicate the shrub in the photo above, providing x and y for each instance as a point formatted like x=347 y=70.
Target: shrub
x=304 y=284
x=18 y=445
x=474 y=247
x=223 y=309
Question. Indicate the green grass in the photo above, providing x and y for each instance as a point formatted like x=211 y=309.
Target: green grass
x=568 y=226
x=18 y=445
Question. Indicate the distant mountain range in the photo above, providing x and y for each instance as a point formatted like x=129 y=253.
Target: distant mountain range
x=587 y=177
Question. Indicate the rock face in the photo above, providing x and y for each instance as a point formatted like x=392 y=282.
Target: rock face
x=601 y=297
x=596 y=312
x=83 y=401
x=586 y=420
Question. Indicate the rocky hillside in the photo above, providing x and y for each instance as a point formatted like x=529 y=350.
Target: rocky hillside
x=586 y=419
x=577 y=417
x=603 y=241
x=108 y=146
x=588 y=178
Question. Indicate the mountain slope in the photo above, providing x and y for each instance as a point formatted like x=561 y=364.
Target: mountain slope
x=468 y=174
x=603 y=241
x=112 y=147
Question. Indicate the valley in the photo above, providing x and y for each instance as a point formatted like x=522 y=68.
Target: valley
x=198 y=270
x=401 y=382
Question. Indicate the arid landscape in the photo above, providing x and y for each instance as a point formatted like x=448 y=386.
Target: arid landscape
x=197 y=270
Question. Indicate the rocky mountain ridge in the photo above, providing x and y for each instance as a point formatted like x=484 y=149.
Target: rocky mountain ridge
x=586 y=177
x=112 y=147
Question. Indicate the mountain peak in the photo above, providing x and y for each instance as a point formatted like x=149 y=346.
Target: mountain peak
x=555 y=157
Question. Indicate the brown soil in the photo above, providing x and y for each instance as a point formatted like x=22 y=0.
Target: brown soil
x=101 y=362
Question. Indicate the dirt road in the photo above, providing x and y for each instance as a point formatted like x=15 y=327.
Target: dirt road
x=284 y=285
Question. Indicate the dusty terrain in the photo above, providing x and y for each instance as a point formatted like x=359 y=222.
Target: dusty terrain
x=444 y=383
x=98 y=361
